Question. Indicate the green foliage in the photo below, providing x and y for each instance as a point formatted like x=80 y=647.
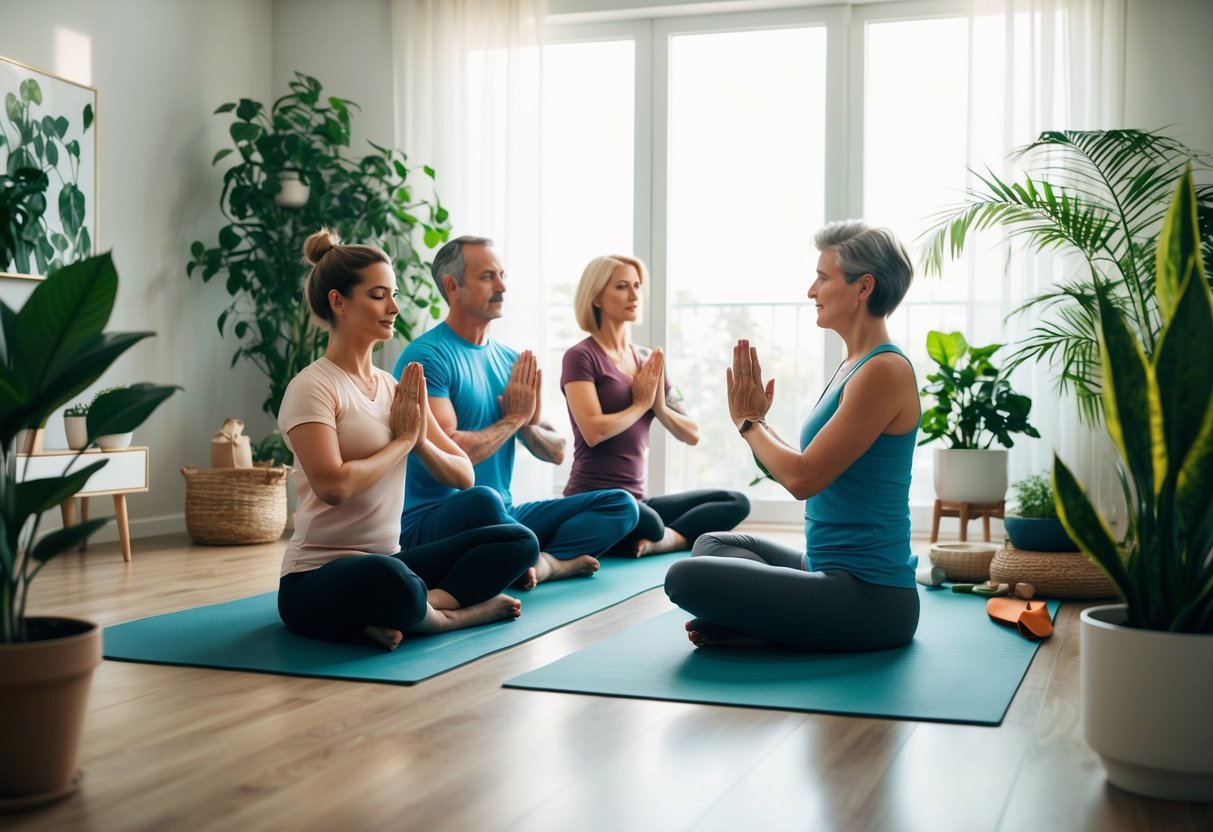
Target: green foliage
x=1159 y=412
x=1100 y=194
x=39 y=149
x=974 y=403
x=51 y=350
x=1034 y=497
x=76 y=409
x=368 y=199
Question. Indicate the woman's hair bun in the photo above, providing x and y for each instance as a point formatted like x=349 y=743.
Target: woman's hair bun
x=319 y=244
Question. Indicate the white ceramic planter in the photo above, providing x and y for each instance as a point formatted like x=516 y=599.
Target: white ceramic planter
x=294 y=193
x=970 y=476
x=1145 y=706
x=113 y=441
x=76 y=430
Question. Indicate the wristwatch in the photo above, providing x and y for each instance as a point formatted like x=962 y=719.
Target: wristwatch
x=746 y=424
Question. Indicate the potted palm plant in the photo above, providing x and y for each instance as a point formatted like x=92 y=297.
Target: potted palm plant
x=1033 y=524
x=1147 y=664
x=51 y=350
x=974 y=407
x=1101 y=196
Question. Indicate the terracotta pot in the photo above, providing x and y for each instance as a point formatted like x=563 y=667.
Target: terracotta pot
x=44 y=687
x=1145 y=705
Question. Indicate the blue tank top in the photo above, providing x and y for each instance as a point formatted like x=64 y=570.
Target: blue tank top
x=860 y=523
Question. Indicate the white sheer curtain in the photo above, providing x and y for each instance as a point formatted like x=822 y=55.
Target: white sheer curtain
x=468 y=99
x=1058 y=65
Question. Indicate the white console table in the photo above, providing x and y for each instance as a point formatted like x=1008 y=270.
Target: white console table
x=125 y=472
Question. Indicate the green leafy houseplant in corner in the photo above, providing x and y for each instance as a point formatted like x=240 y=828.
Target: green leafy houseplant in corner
x=51 y=350
x=294 y=173
x=974 y=407
x=1100 y=195
x=1148 y=664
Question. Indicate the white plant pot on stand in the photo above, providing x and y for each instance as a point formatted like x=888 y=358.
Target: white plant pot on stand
x=1145 y=705
x=971 y=476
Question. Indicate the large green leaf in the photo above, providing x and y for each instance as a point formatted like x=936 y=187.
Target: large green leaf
x=946 y=348
x=126 y=408
x=1087 y=528
x=1179 y=250
x=65 y=539
x=36 y=496
x=61 y=315
x=1131 y=405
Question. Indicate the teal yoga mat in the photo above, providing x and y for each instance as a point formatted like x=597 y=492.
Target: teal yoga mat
x=961 y=667
x=248 y=635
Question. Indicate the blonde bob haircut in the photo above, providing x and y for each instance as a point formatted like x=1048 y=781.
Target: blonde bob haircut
x=593 y=280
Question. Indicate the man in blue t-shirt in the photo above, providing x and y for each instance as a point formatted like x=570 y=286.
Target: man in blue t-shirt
x=485 y=394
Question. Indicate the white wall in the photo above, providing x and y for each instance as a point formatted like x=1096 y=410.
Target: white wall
x=160 y=67
x=1168 y=67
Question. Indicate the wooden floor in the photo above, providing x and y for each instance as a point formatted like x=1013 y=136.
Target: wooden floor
x=175 y=748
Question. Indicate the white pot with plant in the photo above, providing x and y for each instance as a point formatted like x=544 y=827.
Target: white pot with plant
x=1147 y=664
x=111 y=441
x=53 y=349
x=75 y=426
x=974 y=408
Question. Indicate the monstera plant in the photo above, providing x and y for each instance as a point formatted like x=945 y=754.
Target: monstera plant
x=294 y=171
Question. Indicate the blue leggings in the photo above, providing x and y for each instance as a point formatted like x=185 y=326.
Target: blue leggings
x=338 y=601
x=736 y=583
x=584 y=524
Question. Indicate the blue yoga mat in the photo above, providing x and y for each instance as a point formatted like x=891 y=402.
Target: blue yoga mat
x=248 y=635
x=961 y=667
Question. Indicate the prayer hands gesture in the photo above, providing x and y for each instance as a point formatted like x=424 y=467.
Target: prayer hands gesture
x=748 y=397
x=519 y=401
x=410 y=406
x=647 y=384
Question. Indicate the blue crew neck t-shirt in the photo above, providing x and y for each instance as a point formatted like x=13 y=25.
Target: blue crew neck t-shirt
x=860 y=523
x=472 y=376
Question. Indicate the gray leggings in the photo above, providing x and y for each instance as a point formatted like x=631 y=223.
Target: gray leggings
x=736 y=582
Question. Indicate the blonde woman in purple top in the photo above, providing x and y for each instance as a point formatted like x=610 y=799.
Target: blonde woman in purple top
x=615 y=390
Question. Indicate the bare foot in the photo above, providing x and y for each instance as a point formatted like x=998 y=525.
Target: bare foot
x=528 y=580
x=498 y=608
x=706 y=634
x=385 y=636
x=550 y=568
x=671 y=541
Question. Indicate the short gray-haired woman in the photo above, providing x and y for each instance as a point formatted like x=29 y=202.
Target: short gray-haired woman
x=615 y=390
x=852 y=587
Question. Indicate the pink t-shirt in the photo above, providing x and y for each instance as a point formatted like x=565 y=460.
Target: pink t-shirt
x=368 y=523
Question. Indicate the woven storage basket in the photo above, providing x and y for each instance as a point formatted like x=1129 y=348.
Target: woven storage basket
x=1054 y=574
x=230 y=506
x=964 y=561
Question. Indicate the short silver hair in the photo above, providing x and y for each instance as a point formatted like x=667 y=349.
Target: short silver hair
x=862 y=250
x=449 y=260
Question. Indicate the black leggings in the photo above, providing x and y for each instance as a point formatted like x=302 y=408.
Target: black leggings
x=338 y=601
x=743 y=584
x=690 y=513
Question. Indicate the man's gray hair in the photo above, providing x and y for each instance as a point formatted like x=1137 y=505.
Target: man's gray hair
x=449 y=260
x=862 y=250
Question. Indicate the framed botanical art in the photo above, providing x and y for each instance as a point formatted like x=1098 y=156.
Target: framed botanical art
x=48 y=171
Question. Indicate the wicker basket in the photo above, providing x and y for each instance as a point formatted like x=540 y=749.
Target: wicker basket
x=1054 y=574
x=964 y=561
x=233 y=506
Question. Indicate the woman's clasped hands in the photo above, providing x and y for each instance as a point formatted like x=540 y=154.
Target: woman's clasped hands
x=410 y=405
x=749 y=398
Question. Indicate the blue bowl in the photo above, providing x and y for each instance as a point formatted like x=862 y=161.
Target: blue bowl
x=1038 y=534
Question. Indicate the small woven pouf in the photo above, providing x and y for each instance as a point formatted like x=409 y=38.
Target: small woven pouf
x=964 y=561
x=1054 y=574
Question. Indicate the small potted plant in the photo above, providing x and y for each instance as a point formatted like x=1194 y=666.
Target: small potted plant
x=111 y=441
x=1147 y=664
x=1033 y=524
x=75 y=425
x=53 y=348
x=974 y=408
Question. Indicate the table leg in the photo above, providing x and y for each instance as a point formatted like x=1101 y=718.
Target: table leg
x=68 y=509
x=964 y=522
x=124 y=531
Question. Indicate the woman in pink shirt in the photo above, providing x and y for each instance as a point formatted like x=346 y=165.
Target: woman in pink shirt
x=614 y=392
x=352 y=428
